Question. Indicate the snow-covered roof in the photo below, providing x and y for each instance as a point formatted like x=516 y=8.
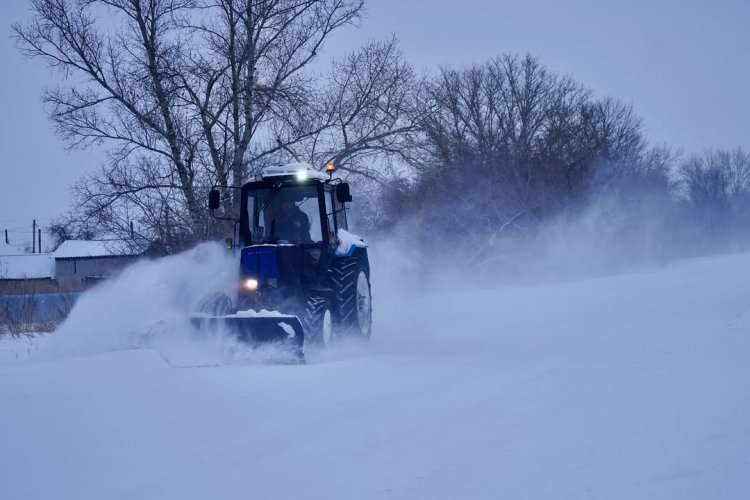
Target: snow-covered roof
x=78 y=249
x=26 y=266
x=6 y=249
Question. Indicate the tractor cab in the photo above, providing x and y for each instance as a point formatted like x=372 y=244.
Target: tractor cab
x=293 y=205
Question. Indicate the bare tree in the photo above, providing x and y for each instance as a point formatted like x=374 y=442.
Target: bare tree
x=247 y=76
x=187 y=94
x=717 y=181
x=715 y=193
x=370 y=107
x=366 y=115
x=510 y=123
x=122 y=87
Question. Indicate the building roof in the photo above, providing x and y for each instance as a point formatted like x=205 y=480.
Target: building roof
x=26 y=266
x=6 y=249
x=16 y=265
x=78 y=249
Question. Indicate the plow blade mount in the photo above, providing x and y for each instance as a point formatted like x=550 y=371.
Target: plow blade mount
x=283 y=330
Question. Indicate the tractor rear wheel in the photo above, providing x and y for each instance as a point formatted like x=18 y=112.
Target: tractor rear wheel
x=352 y=288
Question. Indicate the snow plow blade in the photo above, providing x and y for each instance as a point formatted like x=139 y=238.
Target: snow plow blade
x=283 y=330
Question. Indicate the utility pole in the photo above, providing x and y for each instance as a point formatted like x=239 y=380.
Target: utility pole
x=33 y=237
x=7 y=242
x=40 y=240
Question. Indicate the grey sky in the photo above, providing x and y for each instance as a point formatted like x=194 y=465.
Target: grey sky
x=682 y=64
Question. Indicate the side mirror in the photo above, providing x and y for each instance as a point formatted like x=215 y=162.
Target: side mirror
x=214 y=199
x=342 y=192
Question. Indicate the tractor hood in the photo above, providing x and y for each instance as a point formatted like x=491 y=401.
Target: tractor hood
x=274 y=266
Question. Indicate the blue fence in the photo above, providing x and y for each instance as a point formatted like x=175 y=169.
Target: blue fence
x=35 y=308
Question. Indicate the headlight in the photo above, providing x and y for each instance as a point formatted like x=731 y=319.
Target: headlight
x=250 y=284
x=301 y=175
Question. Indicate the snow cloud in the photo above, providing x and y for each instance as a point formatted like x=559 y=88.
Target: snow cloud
x=149 y=304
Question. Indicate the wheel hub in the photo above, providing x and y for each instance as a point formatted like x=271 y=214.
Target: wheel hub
x=363 y=304
x=327 y=328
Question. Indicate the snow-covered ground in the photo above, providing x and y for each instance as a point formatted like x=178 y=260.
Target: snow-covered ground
x=634 y=386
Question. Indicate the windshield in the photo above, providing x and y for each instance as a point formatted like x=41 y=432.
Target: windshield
x=284 y=215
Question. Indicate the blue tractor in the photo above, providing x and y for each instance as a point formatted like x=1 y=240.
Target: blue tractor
x=304 y=280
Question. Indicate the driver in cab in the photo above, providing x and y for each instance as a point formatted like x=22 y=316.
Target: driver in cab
x=291 y=223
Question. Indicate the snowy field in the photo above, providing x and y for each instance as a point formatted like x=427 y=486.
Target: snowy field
x=634 y=386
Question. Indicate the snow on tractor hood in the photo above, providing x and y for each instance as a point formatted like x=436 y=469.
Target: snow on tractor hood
x=348 y=242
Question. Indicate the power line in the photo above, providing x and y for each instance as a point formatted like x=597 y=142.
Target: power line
x=12 y=221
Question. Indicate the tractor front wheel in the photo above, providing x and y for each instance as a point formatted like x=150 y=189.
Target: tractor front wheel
x=215 y=304
x=318 y=322
x=352 y=288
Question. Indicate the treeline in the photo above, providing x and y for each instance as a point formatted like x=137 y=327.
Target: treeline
x=508 y=144
x=188 y=95
x=508 y=148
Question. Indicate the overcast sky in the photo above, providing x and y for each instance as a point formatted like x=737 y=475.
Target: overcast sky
x=683 y=64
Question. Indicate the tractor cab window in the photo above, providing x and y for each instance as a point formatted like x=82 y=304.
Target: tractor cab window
x=330 y=213
x=340 y=211
x=286 y=215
